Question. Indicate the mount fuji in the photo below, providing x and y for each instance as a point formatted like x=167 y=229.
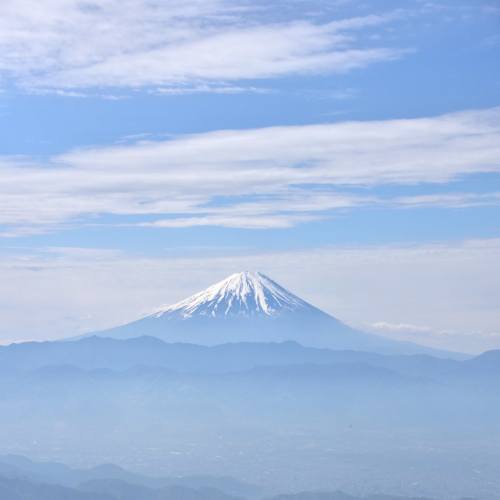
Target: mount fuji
x=251 y=307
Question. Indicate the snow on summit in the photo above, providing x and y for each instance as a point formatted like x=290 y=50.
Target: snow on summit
x=241 y=294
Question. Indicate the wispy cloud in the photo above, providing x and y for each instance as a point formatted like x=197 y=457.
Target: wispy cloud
x=173 y=44
x=207 y=88
x=468 y=341
x=282 y=175
x=449 y=200
x=270 y=221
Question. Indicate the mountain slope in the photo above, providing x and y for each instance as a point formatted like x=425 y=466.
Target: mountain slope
x=250 y=307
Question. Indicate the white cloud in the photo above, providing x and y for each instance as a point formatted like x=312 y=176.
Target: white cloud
x=449 y=200
x=66 y=44
x=450 y=290
x=472 y=341
x=243 y=222
x=207 y=88
x=399 y=327
x=252 y=178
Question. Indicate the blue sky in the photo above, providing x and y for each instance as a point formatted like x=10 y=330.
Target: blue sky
x=236 y=129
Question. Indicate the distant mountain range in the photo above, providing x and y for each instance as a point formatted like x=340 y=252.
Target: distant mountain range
x=101 y=353
x=109 y=481
x=243 y=409
x=112 y=489
x=23 y=479
x=251 y=307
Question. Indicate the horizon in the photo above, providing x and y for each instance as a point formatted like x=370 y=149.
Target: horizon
x=383 y=330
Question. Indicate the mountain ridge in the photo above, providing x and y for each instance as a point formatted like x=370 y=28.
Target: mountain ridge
x=251 y=307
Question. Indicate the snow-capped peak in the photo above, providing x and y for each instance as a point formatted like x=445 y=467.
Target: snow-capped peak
x=241 y=294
